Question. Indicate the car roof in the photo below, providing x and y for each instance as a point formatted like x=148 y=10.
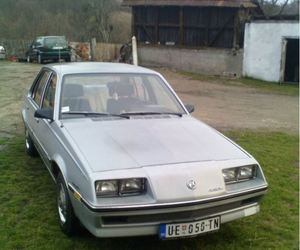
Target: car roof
x=97 y=67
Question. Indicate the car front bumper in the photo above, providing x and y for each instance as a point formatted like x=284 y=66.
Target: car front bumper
x=120 y=222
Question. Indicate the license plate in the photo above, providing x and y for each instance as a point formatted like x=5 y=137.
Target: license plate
x=189 y=229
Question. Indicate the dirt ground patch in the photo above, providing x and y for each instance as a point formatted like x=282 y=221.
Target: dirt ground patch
x=221 y=106
x=228 y=107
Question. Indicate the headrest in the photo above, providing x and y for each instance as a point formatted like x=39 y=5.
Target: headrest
x=121 y=88
x=112 y=87
x=124 y=89
x=73 y=90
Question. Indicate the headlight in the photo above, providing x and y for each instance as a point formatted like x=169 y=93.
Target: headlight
x=247 y=172
x=238 y=174
x=110 y=188
x=107 y=188
x=132 y=186
x=229 y=174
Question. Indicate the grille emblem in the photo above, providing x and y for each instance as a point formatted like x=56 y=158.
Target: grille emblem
x=191 y=184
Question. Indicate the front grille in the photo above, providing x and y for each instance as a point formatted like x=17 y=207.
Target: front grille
x=175 y=216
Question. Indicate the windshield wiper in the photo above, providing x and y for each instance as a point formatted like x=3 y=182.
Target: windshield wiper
x=95 y=114
x=151 y=113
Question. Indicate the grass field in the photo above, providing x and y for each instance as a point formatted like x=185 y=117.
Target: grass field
x=28 y=211
x=269 y=87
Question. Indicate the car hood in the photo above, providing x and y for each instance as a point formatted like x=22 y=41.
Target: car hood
x=139 y=142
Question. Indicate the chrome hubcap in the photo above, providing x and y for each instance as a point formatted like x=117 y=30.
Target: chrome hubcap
x=62 y=204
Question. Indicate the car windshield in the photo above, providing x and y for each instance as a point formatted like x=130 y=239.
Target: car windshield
x=52 y=42
x=117 y=94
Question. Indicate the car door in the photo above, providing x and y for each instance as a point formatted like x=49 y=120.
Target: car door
x=45 y=128
x=34 y=102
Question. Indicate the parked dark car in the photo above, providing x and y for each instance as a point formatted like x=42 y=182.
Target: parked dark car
x=46 y=48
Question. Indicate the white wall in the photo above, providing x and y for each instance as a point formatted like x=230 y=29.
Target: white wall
x=203 y=61
x=263 y=48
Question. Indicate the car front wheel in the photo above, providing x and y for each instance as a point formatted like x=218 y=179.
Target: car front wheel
x=29 y=146
x=67 y=219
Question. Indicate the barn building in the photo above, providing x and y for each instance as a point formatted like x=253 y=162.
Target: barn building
x=203 y=36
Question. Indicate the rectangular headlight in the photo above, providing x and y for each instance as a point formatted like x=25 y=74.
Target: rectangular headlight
x=112 y=188
x=132 y=186
x=237 y=174
x=106 y=188
x=230 y=174
x=247 y=172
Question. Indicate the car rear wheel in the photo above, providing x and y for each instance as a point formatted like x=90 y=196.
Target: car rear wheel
x=29 y=146
x=68 y=222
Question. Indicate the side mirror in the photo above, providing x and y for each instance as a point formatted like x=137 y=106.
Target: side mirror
x=190 y=108
x=44 y=114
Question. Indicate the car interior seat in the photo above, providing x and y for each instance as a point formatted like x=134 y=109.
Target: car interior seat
x=74 y=98
x=122 y=99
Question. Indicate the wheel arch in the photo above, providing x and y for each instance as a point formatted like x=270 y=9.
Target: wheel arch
x=58 y=166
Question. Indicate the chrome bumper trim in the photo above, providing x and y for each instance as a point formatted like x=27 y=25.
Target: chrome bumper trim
x=259 y=190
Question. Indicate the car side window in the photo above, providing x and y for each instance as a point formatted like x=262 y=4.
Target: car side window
x=49 y=97
x=39 y=87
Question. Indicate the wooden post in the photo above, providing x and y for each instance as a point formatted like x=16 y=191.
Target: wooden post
x=156 y=25
x=208 y=13
x=93 y=48
x=236 y=30
x=181 y=34
x=134 y=51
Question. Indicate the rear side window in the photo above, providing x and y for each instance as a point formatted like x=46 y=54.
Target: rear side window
x=39 y=87
x=49 y=95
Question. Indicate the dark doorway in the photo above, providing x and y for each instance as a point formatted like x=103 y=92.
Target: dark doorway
x=291 y=73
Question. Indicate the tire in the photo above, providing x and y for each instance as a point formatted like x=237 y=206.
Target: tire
x=68 y=222
x=29 y=145
x=40 y=59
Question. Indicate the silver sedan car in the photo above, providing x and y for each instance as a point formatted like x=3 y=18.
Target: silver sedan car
x=127 y=157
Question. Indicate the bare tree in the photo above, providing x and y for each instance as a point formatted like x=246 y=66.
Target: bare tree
x=97 y=18
x=274 y=7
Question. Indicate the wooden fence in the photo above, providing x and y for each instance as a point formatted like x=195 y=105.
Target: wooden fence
x=16 y=48
x=106 y=52
x=102 y=52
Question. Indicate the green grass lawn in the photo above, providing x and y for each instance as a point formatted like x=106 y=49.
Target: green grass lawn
x=28 y=211
x=270 y=87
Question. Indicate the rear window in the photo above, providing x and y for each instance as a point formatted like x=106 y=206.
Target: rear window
x=53 y=42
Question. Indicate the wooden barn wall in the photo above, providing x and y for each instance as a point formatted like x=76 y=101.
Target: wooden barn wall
x=189 y=26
